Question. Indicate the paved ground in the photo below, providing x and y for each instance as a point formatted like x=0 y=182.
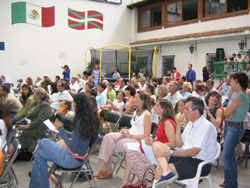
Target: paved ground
x=22 y=168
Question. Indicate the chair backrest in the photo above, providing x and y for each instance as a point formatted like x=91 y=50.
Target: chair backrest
x=124 y=122
x=103 y=112
x=218 y=151
x=153 y=129
x=11 y=134
x=11 y=154
x=67 y=121
x=112 y=116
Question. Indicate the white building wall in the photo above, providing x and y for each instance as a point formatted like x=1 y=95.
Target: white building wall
x=36 y=51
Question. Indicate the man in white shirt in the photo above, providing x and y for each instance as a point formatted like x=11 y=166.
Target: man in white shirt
x=74 y=87
x=196 y=144
x=61 y=97
x=81 y=83
x=174 y=95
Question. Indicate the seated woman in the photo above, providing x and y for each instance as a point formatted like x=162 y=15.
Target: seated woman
x=165 y=135
x=27 y=101
x=35 y=129
x=129 y=105
x=214 y=113
x=86 y=124
x=116 y=142
x=186 y=90
x=150 y=90
x=5 y=123
x=162 y=92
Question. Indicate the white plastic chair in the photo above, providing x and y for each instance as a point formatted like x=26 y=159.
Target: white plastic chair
x=194 y=182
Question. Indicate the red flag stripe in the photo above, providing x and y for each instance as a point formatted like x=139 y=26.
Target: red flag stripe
x=91 y=26
x=81 y=14
x=48 y=17
x=79 y=27
x=92 y=13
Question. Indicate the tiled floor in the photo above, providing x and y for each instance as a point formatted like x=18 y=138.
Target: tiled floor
x=22 y=168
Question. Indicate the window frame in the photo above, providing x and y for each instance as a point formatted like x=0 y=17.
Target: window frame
x=202 y=11
x=145 y=8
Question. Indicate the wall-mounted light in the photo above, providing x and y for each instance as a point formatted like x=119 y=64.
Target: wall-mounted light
x=192 y=47
x=242 y=44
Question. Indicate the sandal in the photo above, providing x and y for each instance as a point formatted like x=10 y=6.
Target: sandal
x=104 y=175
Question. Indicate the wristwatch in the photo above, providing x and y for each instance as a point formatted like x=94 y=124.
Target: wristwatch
x=130 y=136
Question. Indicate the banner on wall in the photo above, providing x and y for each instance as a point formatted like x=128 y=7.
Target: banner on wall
x=85 y=20
x=23 y=12
x=2 y=46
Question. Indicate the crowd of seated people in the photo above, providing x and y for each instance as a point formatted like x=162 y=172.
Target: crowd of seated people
x=143 y=99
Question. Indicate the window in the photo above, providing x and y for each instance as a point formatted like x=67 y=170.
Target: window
x=174 y=12
x=151 y=17
x=182 y=11
x=190 y=9
x=236 y=5
x=167 y=64
x=215 y=6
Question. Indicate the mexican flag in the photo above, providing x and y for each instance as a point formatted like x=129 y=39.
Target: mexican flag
x=23 y=12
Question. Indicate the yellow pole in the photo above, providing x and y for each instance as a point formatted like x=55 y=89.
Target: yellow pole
x=155 y=61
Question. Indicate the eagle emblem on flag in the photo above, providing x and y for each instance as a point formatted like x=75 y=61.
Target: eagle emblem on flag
x=90 y=19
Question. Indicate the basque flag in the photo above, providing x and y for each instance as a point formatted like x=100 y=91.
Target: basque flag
x=85 y=20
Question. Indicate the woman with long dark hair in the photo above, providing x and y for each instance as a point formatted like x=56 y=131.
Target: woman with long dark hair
x=27 y=100
x=86 y=124
x=5 y=123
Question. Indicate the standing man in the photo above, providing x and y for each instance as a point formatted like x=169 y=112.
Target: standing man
x=196 y=144
x=190 y=74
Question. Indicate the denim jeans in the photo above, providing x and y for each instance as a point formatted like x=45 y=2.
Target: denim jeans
x=232 y=136
x=49 y=151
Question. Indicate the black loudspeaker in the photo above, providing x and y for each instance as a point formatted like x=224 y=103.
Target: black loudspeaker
x=220 y=54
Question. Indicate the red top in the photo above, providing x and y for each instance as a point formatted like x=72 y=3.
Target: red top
x=161 y=134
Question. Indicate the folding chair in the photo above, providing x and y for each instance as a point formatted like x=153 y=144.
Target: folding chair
x=59 y=173
x=8 y=177
x=112 y=118
x=124 y=122
x=122 y=155
x=194 y=182
x=67 y=121
x=11 y=134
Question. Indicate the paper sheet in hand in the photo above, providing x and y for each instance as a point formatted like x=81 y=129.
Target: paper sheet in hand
x=50 y=125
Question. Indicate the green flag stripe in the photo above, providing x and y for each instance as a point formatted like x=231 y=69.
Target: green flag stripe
x=75 y=25
x=77 y=15
x=95 y=25
x=18 y=12
x=95 y=15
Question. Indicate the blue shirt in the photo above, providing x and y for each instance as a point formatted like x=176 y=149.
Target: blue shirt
x=101 y=99
x=75 y=143
x=66 y=75
x=191 y=75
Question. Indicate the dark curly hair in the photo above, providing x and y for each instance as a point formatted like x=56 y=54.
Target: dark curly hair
x=24 y=98
x=87 y=116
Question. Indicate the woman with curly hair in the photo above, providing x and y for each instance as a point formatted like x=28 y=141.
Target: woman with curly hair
x=5 y=123
x=86 y=124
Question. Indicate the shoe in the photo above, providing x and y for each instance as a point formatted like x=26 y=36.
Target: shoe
x=222 y=184
x=166 y=180
x=104 y=175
